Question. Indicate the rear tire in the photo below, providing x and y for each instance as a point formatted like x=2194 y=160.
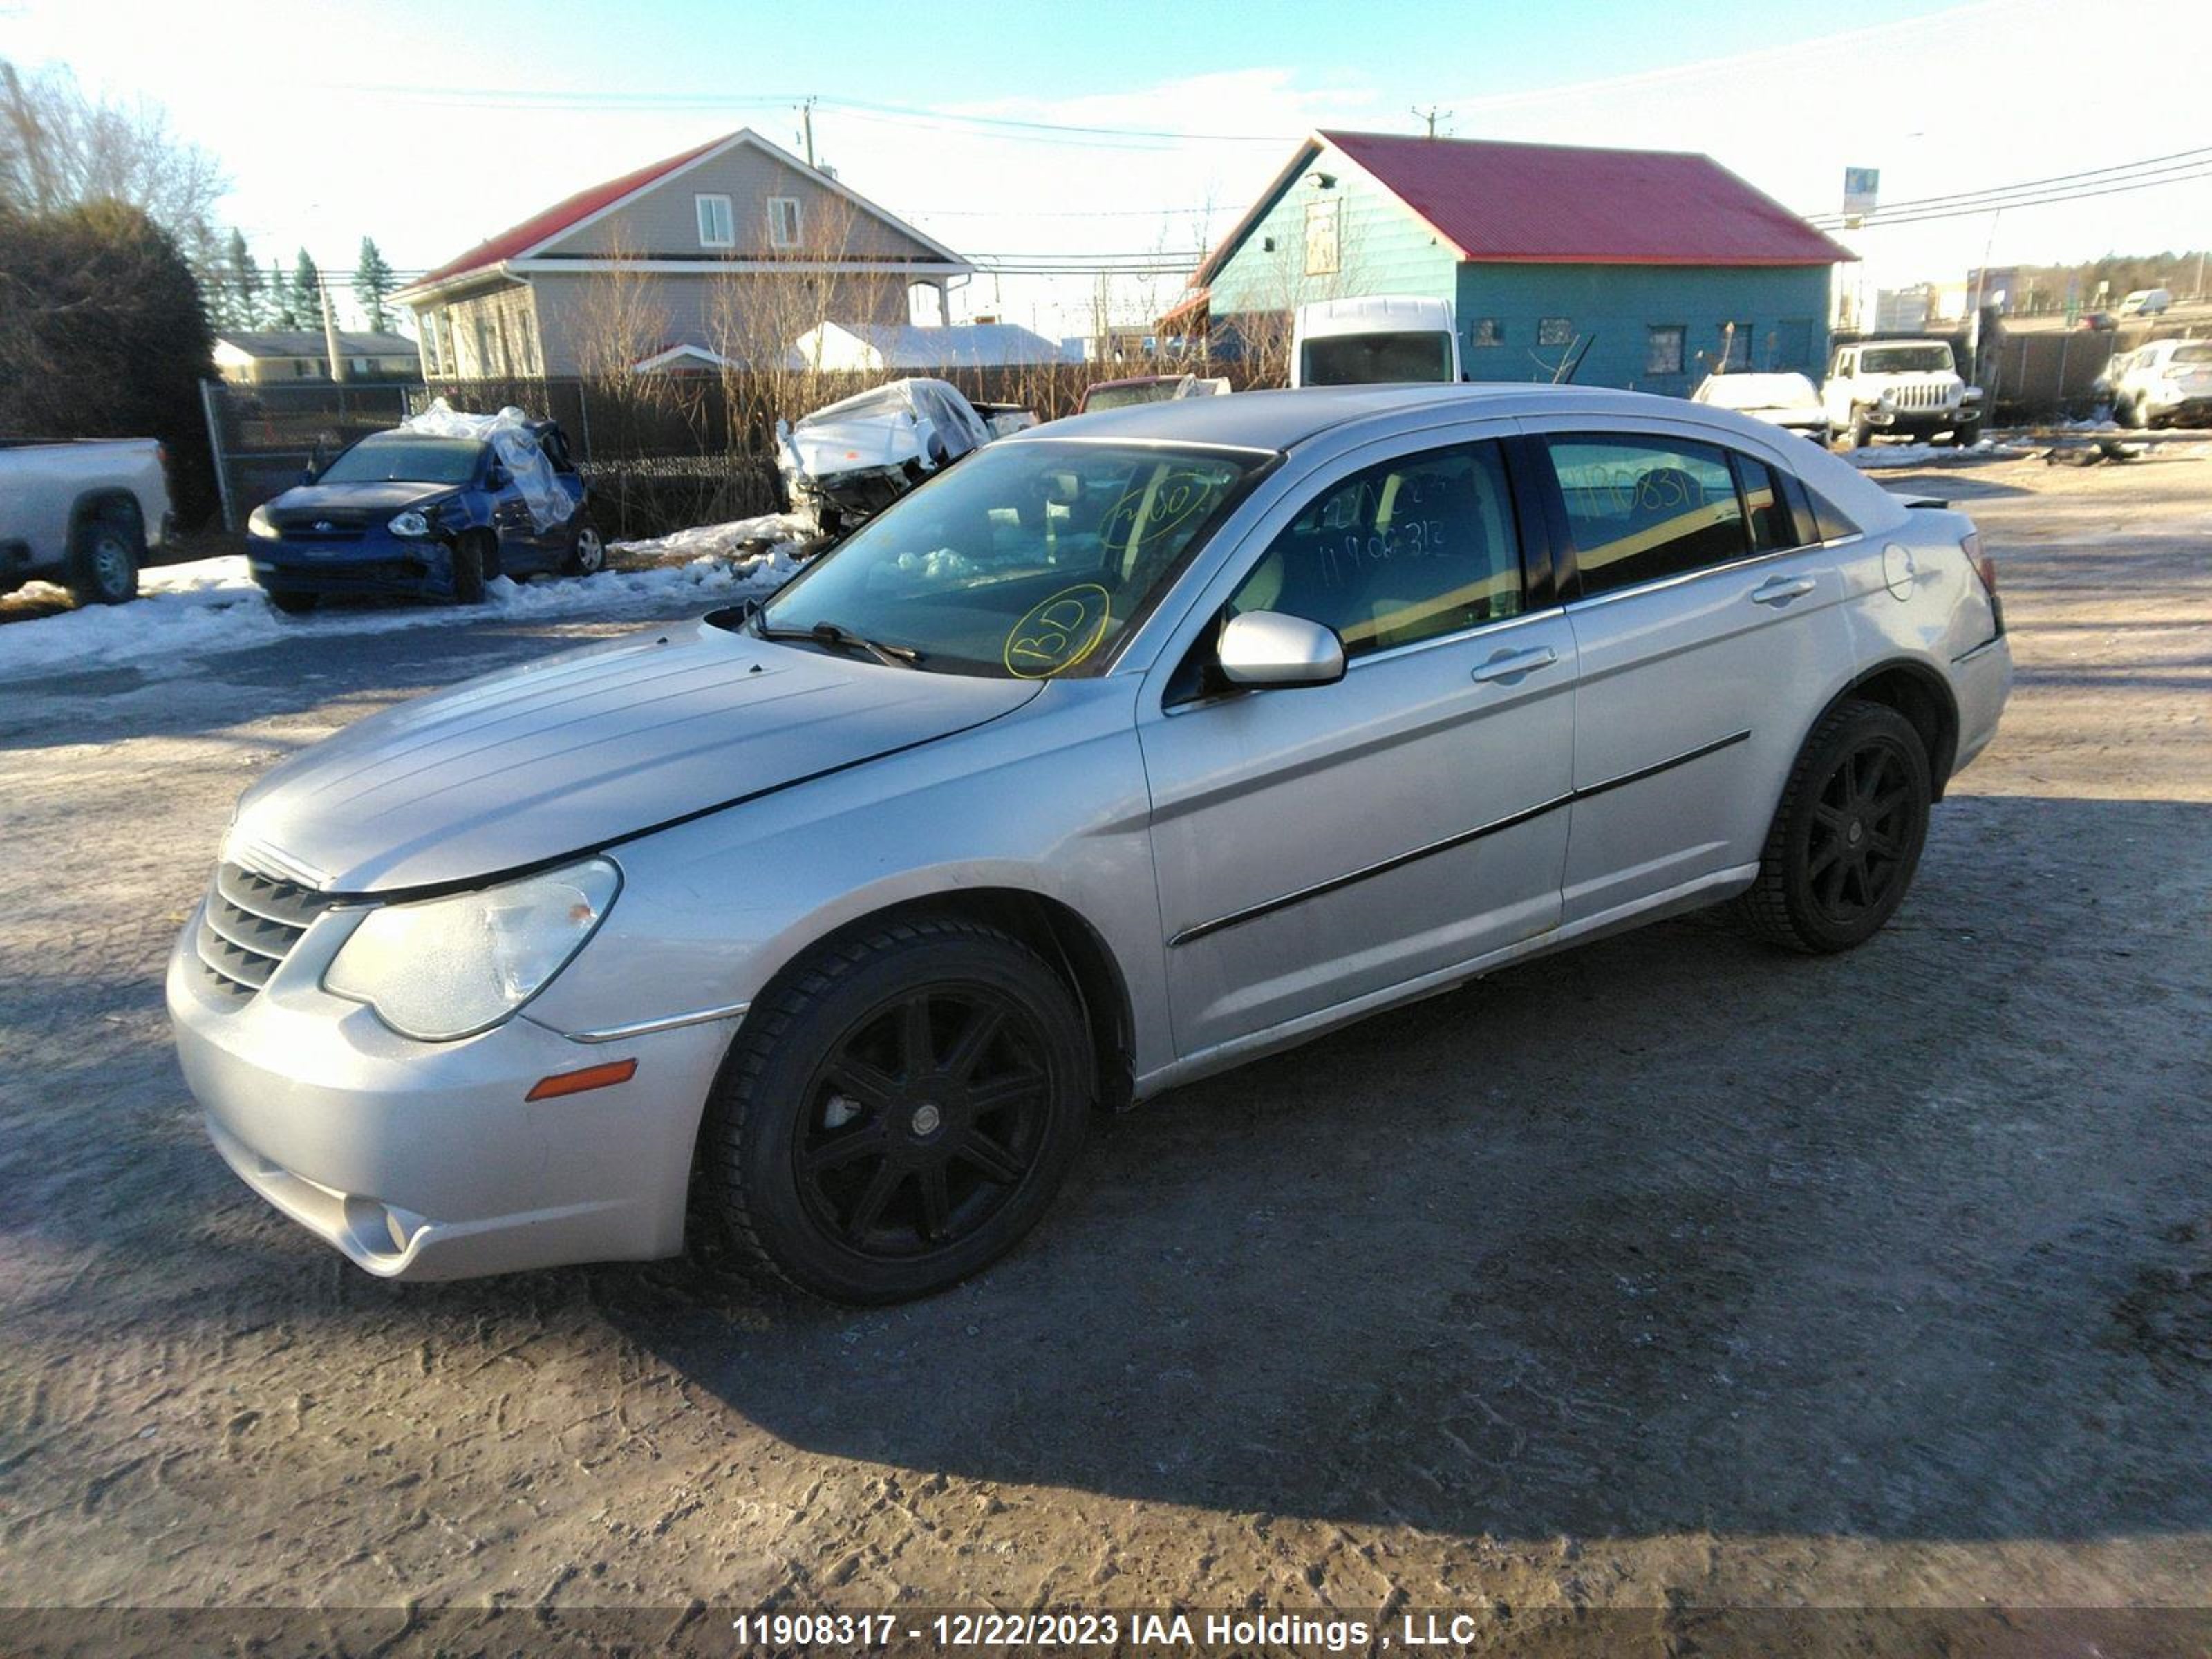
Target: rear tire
x=104 y=557
x=469 y=562
x=1847 y=838
x=587 y=552
x=897 y=1113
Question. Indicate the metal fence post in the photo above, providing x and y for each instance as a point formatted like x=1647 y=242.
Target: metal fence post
x=209 y=397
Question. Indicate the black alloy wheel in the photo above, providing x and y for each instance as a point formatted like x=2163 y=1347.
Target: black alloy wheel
x=924 y=1121
x=897 y=1109
x=1848 y=834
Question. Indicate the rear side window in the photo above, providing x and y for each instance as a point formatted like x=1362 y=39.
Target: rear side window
x=1642 y=508
x=1415 y=548
x=1772 y=529
x=1832 y=524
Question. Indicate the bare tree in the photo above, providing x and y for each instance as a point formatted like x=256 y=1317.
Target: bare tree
x=61 y=147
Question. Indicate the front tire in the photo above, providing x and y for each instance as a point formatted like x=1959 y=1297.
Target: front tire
x=104 y=558
x=898 y=1112
x=1848 y=835
x=469 y=561
x=1862 y=432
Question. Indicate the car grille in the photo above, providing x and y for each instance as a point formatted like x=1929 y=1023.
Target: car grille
x=250 y=924
x=1919 y=397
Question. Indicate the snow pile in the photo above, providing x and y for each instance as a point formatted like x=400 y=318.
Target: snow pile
x=1876 y=457
x=742 y=540
x=212 y=605
x=517 y=446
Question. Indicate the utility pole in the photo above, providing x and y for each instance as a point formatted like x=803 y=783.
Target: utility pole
x=806 y=120
x=1431 y=115
x=331 y=335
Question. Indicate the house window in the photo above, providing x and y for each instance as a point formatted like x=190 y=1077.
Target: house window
x=1662 y=348
x=1733 y=354
x=716 y=227
x=1321 y=238
x=783 y=221
x=1555 y=330
x=1485 y=331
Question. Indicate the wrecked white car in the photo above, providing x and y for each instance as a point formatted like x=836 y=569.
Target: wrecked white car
x=856 y=457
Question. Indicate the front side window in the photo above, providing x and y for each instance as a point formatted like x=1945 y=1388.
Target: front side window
x=1025 y=561
x=1641 y=508
x=1662 y=349
x=716 y=227
x=1398 y=553
x=783 y=221
x=1321 y=238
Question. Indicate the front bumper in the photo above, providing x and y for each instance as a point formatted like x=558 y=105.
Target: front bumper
x=422 y=1160
x=1924 y=423
x=376 y=562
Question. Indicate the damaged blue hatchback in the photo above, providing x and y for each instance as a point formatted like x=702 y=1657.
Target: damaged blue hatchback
x=425 y=515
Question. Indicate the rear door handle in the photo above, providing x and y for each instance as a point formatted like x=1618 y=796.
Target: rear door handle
x=1780 y=590
x=1512 y=665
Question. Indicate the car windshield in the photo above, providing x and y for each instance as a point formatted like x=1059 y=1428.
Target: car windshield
x=1376 y=359
x=1026 y=561
x=1121 y=397
x=2200 y=353
x=406 y=460
x=1905 y=360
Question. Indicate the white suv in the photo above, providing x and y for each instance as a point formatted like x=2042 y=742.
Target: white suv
x=2166 y=383
x=1902 y=388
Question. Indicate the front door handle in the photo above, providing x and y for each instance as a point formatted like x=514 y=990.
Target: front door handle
x=1512 y=665
x=1780 y=590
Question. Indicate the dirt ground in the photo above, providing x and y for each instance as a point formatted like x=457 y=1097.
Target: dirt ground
x=1668 y=1275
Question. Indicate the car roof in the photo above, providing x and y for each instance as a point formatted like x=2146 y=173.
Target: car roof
x=1278 y=420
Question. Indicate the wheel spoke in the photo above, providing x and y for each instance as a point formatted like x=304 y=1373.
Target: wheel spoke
x=1831 y=887
x=998 y=1093
x=917 y=1049
x=987 y=1155
x=936 y=1202
x=974 y=1041
x=881 y=1186
x=1826 y=856
x=837 y=1152
x=1831 y=818
x=864 y=1082
x=1882 y=805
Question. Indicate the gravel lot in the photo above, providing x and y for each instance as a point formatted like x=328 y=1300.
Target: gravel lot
x=1665 y=1275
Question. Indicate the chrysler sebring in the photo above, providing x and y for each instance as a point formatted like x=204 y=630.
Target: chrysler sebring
x=1132 y=747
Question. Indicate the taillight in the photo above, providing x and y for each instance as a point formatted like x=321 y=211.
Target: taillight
x=1985 y=571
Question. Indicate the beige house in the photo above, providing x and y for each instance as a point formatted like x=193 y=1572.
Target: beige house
x=282 y=356
x=731 y=249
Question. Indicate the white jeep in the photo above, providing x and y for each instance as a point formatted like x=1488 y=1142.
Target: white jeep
x=1903 y=388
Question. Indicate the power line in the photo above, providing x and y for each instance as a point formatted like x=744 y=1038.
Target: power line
x=1976 y=200
x=1906 y=215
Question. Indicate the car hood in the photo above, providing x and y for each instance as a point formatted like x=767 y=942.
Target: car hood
x=584 y=749
x=305 y=503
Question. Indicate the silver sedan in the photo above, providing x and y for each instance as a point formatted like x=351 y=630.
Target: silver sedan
x=1128 y=749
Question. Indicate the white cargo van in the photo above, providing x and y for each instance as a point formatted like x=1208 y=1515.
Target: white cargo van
x=1378 y=338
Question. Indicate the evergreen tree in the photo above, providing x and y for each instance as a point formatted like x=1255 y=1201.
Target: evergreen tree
x=102 y=335
x=306 y=292
x=371 y=281
x=245 y=276
x=279 y=310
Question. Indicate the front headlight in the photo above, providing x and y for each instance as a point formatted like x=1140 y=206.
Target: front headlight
x=410 y=523
x=447 y=968
x=258 y=522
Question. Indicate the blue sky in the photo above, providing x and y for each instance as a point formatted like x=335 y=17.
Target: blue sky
x=431 y=125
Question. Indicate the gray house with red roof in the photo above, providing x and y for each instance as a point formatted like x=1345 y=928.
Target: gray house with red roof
x=1654 y=266
x=730 y=249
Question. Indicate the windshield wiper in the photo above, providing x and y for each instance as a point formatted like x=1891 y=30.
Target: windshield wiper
x=828 y=633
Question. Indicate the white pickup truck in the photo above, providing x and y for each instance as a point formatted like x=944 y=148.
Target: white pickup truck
x=83 y=511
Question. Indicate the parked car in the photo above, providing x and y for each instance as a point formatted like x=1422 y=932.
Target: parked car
x=2146 y=302
x=2166 y=383
x=1907 y=388
x=853 y=457
x=83 y=511
x=1376 y=339
x=1788 y=401
x=1146 y=389
x=427 y=512
x=2098 y=322
x=1133 y=747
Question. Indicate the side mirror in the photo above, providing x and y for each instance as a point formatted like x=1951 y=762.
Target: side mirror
x=1264 y=648
x=308 y=475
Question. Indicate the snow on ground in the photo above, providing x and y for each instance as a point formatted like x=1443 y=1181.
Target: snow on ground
x=737 y=540
x=212 y=605
x=1876 y=457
